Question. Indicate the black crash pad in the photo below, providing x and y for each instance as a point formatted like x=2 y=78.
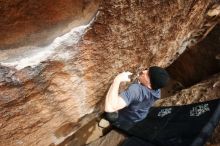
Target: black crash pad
x=177 y=125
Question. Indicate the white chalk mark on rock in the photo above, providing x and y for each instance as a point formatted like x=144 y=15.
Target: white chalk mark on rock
x=38 y=54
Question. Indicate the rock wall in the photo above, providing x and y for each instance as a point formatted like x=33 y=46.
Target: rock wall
x=44 y=103
x=198 y=62
x=203 y=91
x=24 y=23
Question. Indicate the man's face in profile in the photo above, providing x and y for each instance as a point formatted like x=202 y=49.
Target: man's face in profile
x=144 y=78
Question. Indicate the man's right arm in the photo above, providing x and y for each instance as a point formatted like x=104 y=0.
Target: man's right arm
x=113 y=101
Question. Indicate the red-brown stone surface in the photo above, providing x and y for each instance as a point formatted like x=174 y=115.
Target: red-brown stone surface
x=198 y=62
x=38 y=101
x=39 y=22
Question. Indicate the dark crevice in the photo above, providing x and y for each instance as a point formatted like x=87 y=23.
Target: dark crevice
x=197 y=63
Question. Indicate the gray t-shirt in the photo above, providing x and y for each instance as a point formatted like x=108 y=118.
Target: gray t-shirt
x=138 y=99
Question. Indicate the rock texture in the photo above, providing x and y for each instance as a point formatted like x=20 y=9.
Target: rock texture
x=39 y=22
x=113 y=138
x=37 y=101
x=199 y=61
x=207 y=90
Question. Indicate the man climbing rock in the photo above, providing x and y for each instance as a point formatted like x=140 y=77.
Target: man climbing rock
x=125 y=109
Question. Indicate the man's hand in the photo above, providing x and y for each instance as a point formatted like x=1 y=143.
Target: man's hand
x=123 y=77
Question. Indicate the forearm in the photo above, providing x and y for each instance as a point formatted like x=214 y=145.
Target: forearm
x=111 y=100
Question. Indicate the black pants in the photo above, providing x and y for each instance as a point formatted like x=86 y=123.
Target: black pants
x=113 y=118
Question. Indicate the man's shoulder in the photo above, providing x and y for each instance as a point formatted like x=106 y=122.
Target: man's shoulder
x=135 y=87
x=149 y=92
x=156 y=93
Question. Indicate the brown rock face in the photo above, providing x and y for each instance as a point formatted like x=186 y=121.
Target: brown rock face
x=206 y=90
x=37 y=101
x=39 y=22
x=113 y=138
x=198 y=62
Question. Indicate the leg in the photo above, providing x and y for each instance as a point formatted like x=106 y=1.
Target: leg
x=111 y=117
x=107 y=119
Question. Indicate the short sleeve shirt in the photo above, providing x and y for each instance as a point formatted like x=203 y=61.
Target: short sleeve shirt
x=138 y=99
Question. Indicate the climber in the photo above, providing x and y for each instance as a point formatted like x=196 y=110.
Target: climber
x=132 y=105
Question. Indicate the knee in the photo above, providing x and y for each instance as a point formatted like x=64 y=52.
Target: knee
x=111 y=117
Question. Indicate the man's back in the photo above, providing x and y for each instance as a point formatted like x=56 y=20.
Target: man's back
x=138 y=99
